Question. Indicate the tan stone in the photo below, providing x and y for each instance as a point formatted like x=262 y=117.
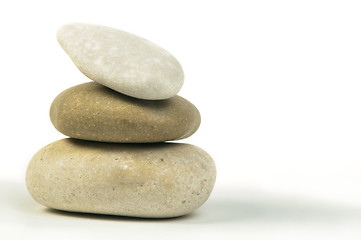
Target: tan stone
x=91 y=111
x=141 y=180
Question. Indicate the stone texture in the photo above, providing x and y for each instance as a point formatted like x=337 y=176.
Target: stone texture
x=91 y=111
x=122 y=61
x=157 y=180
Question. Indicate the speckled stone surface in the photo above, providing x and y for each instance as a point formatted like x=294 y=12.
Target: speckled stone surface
x=122 y=61
x=91 y=111
x=141 y=180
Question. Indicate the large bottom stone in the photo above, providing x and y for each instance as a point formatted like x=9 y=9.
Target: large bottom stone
x=140 y=180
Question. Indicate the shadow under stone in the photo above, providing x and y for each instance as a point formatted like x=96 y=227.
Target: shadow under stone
x=274 y=209
x=108 y=217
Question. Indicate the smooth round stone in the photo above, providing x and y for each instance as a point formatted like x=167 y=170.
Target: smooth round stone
x=122 y=61
x=140 y=180
x=91 y=111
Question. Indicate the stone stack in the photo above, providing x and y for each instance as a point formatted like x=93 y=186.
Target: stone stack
x=116 y=160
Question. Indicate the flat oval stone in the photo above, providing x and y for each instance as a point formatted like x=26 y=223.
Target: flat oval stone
x=122 y=61
x=91 y=111
x=140 y=180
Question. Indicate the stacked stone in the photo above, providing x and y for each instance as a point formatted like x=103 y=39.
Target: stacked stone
x=116 y=160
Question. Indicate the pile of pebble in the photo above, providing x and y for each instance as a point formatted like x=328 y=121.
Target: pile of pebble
x=116 y=160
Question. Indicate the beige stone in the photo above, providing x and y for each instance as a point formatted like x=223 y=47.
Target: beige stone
x=157 y=180
x=91 y=111
x=122 y=61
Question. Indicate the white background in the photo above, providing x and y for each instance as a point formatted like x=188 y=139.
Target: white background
x=278 y=86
